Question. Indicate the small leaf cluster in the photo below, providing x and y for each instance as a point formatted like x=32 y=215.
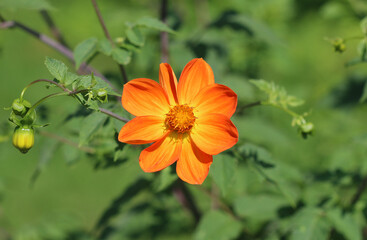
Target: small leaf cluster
x=278 y=97
x=121 y=48
x=88 y=89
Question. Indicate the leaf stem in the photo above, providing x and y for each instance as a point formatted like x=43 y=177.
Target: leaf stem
x=114 y=115
x=164 y=35
x=42 y=80
x=55 y=45
x=54 y=30
x=108 y=36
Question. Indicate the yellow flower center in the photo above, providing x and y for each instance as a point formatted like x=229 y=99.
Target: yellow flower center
x=180 y=118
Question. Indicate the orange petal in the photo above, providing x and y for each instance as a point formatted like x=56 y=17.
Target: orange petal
x=141 y=130
x=214 y=133
x=215 y=98
x=196 y=75
x=168 y=81
x=143 y=97
x=193 y=164
x=161 y=154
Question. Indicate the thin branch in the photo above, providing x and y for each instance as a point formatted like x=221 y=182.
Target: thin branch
x=359 y=192
x=54 y=30
x=108 y=36
x=114 y=115
x=55 y=45
x=164 y=35
x=184 y=196
x=243 y=107
x=68 y=142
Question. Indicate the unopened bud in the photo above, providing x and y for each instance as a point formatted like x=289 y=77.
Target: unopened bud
x=23 y=138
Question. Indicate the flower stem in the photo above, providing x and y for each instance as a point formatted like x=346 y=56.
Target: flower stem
x=108 y=36
x=43 y=80
x=164 y=35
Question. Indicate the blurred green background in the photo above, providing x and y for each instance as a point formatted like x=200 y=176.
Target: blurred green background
x=277 y=40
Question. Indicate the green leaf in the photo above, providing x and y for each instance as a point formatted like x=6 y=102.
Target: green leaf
x=294 y=101
x=154 y=23
x=362 y=49
x=89 y=125
x=84 y=50
x=25 y=4
x=260 y=207
x=344 y=224
x=71 y=154
x=121 y=56
x=135 y=36
x=165 y=179
x=47 y=152
x=364 y=94
x=216 y=225
x=70 y=78
x=310 y=224
x=364 y=25
x=105 y=47
x=263 y=85
x=223 y=171
x=57 y=69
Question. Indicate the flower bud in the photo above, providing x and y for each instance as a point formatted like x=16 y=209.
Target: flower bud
x=306 y=129
x=23 y=138
x=102 y=95
x=339 y=45
x=20 y=108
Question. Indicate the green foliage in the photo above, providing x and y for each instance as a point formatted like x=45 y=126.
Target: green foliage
x=121 y=56
x=222 y=171
x=153 y=23
x=270 y=185
x=90 y=125
x=85 y=50
x=217 y=225
x=57 y=69
x=310 y=223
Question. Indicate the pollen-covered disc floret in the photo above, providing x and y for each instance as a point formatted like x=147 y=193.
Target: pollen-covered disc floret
x=180 y=118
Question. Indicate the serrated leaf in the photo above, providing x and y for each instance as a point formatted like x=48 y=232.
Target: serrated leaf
x=84 y=50
x=154 y=23
x=57 y=68
x=223 y=171
x=262 y=85
x=135 y=36
x=294 y=101
x=310 y=224
x=25 y=4
x=344 y=224
x=121 y=56
x=89 y=125
x=216 y=225
x=70 y=78
x=105 y=47
x=260 y=207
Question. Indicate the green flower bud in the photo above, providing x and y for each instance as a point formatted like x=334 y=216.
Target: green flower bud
x=20 y=108
x=23 y=138
x=339 y=45
x=306 y=129
x=101 y=95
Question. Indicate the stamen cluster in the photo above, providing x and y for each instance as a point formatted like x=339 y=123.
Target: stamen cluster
x=180 y=118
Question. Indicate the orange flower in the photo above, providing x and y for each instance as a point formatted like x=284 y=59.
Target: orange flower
x=189 y=121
